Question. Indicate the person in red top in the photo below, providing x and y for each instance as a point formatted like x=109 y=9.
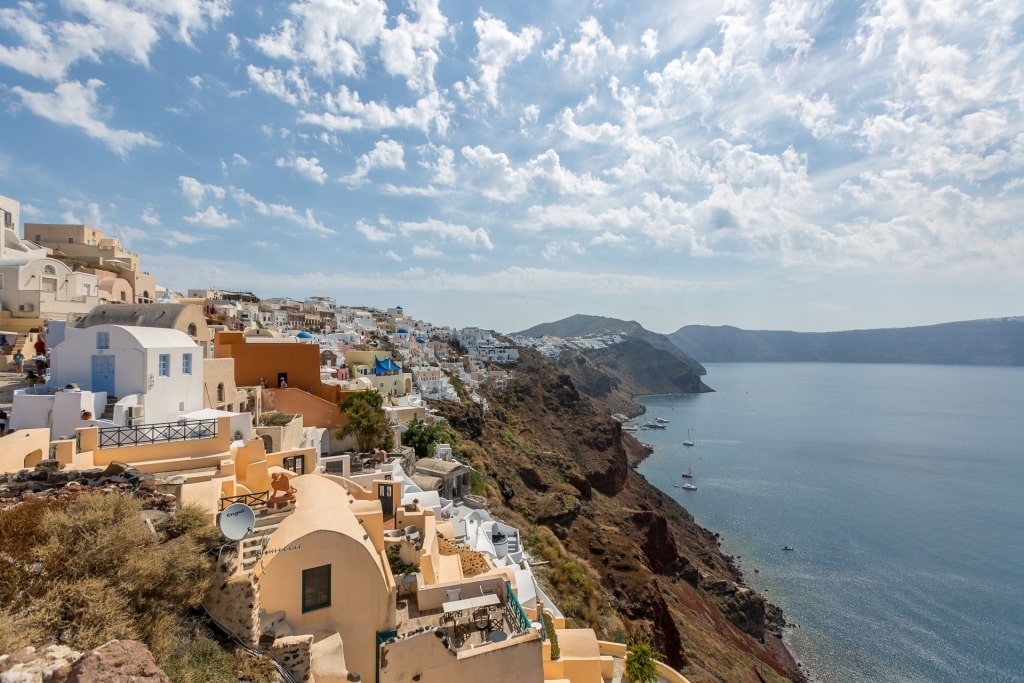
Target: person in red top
x=40 y=346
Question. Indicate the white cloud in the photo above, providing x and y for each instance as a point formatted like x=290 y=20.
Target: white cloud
x=494 y=175
x=442 y=167
x=82 y=212
x=593 y=45
x=649 y=43
x=195 y=191
x=175 y=237
x=553 y=250
x=76 y=105
x=308 y=168
x=609 y=238
x=411 y=49
x=373 y=233
x=448 y=232
x=327 y=35
x=149 y=216
x=212 y=218
x=288 y=86
x=390 y=253
x=426 y=251
x=385 y=154
x=50 y=47
x=498 y=47
x=305 y=219
x=345 y=111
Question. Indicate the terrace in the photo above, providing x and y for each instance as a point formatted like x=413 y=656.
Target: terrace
x=491 y=615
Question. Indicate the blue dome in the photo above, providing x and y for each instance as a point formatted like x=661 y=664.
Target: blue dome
x=402 y=330
x=304 y=335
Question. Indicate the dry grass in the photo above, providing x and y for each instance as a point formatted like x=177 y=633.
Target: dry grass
x=93 y=571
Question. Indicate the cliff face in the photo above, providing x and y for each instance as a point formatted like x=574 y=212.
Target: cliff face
x=622 y=557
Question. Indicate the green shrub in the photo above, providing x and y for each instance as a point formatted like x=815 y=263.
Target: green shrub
x=549 y=629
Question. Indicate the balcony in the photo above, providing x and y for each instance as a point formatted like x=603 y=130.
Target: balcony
x=160 y=432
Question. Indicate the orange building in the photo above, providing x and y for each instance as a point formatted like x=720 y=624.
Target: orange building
x=276 y=360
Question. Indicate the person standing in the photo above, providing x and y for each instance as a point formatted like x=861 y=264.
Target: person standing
x=40 y=347
x=19 y=361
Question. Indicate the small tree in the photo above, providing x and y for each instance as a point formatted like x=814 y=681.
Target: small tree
x=422 y=436
x=641 y=662
x=366 y=420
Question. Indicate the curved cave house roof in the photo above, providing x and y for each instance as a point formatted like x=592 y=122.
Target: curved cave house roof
x=262 y=332
x=323 y=507
x=141 y=315
x=187 y=318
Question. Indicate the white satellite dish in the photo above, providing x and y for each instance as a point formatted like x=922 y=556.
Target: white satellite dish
x=236 y=521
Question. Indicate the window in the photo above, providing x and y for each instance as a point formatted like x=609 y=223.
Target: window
x=102 y=340
x=295 y=463
x=192 y=330
x=71 y=240
x=316 y=588
x=165 y=365
x=220 y=392
x=186 y=364
x=49 y=270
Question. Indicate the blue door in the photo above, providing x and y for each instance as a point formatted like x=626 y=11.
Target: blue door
x=103 y=374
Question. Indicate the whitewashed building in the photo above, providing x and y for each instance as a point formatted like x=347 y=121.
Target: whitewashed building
x=156 y=373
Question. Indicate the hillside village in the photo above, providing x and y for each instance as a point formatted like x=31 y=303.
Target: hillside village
x=342 y=563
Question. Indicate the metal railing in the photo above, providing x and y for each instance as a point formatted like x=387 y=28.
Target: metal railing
x=515 y=611
x=160 y=432
x=250 y=499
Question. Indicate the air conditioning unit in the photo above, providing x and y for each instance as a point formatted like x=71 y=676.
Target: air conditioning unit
x=27 y=307
x=136 y=416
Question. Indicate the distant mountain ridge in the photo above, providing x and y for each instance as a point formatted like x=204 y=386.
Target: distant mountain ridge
x=580 y=325
x=995 y=341
x=642 y=362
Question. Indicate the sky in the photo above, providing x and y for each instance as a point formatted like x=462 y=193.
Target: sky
x=799 y=165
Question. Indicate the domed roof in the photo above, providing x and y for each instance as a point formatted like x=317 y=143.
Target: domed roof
x=304 y=335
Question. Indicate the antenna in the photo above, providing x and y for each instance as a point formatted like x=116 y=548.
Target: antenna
x=236 y=521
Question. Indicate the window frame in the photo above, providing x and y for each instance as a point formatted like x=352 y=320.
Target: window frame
x=316 y=588
x=103 y=340
x=186 y=363
x=165 y=365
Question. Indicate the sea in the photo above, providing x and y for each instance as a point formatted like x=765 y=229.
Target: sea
x=899 y=488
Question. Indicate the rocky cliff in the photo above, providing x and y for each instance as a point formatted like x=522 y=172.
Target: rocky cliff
x=975 y=342
x=620 y=556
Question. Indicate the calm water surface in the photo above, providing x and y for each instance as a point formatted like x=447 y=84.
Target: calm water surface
x=899 y=488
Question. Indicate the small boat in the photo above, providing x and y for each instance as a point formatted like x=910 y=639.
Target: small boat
x=689 y=441
x=629 y=427
x=688 y=474
x=787 y=547
x=661 y=420
x=688 y=486
x=654 y=425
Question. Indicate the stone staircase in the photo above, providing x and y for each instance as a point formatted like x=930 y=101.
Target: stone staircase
x=267 y=522
x=108 y=410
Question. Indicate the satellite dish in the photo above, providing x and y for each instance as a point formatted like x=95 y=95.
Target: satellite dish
x=236 y=521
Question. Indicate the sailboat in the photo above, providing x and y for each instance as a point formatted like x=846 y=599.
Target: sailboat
x=688 y=474
x=689 y=441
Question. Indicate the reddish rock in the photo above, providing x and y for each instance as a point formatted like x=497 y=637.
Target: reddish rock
x=118 y=661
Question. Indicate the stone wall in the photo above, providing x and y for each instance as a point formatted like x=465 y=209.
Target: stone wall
x=234 y=602
x=294 y=653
